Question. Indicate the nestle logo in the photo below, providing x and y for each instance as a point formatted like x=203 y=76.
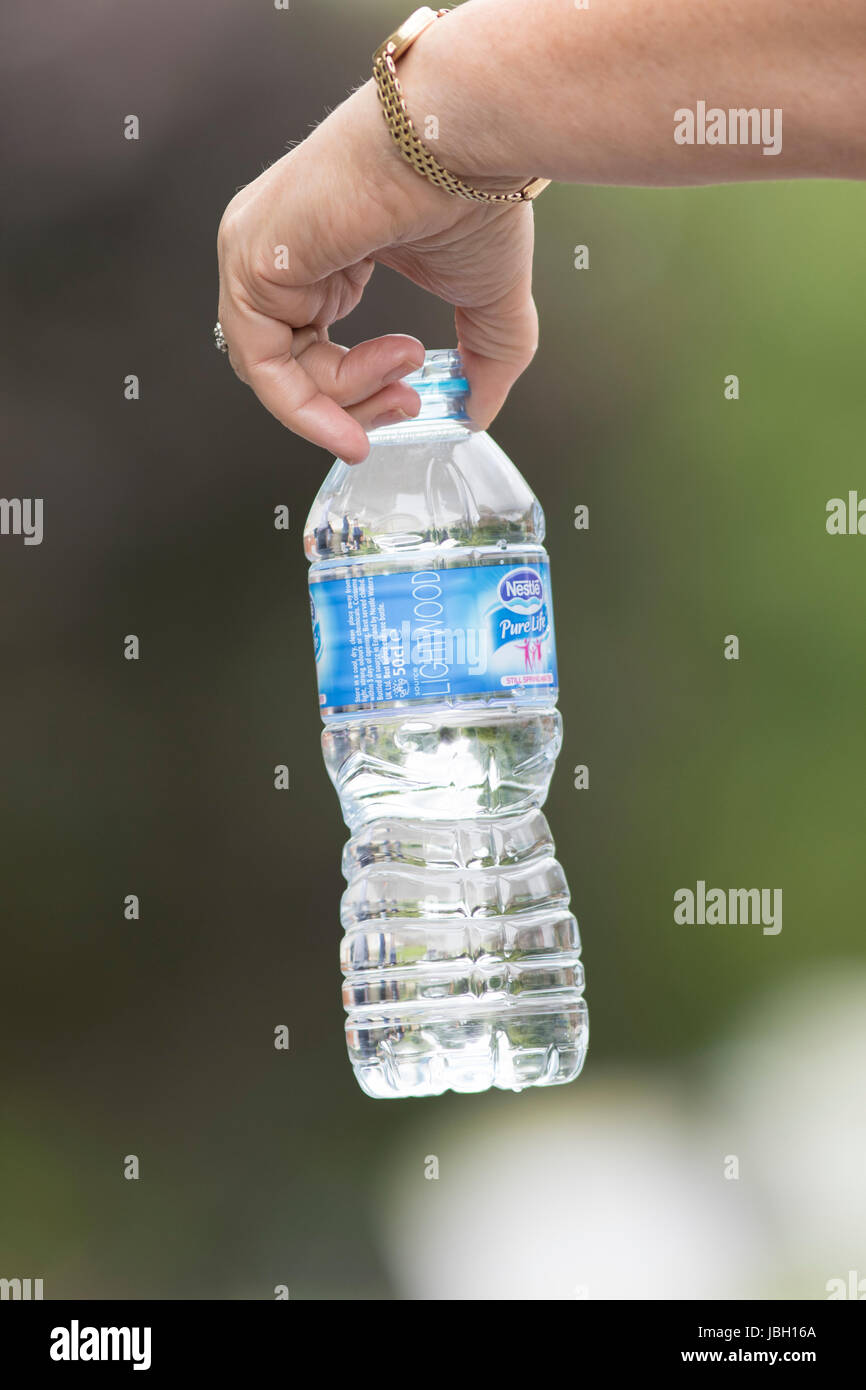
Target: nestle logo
x=521 y=589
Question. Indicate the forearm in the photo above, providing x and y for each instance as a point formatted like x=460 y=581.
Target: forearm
x=518 y=88
x=540 y=87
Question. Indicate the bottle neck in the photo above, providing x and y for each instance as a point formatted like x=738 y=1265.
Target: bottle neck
x=444 y=392
x=421 y=429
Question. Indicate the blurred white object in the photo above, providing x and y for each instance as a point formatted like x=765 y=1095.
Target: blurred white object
x=609 y=1197
x=620 y=1191
x=792 y=1091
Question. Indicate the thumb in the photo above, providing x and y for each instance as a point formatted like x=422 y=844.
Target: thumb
x=497 y=342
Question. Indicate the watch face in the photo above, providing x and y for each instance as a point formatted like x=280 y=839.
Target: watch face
x=409 y=32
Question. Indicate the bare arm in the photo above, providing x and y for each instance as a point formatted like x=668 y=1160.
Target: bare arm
x=589 y=95
x=625 y=92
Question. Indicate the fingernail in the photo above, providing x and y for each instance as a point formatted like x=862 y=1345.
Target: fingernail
x=404 y=369
x=389 y=417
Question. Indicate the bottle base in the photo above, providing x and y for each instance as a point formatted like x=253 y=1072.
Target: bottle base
x=508 y=1049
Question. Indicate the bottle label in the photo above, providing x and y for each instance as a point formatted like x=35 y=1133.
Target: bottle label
x=433 y=633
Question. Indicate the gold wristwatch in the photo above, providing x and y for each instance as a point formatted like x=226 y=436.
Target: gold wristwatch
x=403 y=132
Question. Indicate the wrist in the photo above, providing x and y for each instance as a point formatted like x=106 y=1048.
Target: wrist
x=379 y=165
x=454 y=113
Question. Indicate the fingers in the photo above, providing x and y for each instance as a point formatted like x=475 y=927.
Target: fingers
x=366 y=380
x=287 y=392
x=387 y=407
x=324 y=392
x=497 y=343
x=293 y=397
x=352 y=376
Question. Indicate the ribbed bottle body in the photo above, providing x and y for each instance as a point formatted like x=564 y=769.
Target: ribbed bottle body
x=433 y=627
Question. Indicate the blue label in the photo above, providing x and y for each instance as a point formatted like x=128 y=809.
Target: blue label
x=317 y=631
x=432 y=633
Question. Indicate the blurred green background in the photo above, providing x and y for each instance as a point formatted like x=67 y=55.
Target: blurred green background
x=707 y=517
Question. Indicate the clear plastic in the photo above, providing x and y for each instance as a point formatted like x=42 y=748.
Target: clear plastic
x=461 y=957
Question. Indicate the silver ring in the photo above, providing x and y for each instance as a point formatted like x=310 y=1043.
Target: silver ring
x=219 y=338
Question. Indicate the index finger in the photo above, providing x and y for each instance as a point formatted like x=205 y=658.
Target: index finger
x=261 y=351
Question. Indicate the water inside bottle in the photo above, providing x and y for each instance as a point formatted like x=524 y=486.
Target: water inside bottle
x=433 y=630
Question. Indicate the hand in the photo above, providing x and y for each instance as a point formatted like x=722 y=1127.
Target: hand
x=338 y=203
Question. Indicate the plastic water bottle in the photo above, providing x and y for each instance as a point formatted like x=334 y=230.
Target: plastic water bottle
x=436 y=663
